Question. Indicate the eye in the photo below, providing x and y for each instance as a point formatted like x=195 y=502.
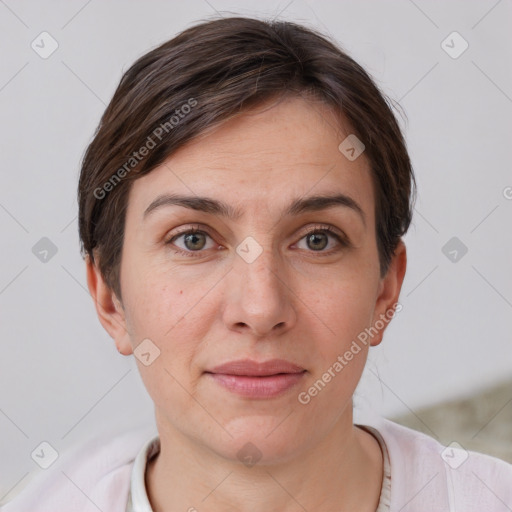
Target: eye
x=193 y=241
x=190 y=241
x=319 y=238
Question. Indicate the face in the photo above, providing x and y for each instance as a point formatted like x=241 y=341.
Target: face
x=253 y=266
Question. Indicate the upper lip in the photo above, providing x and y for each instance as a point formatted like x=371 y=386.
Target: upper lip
x=253 y=368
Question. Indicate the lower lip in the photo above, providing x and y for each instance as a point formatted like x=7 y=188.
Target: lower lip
x=258 y=387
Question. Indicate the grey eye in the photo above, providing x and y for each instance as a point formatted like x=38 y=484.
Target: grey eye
x=317 y=241
x=194 y=241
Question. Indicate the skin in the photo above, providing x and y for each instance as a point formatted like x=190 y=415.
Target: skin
x=300 y=302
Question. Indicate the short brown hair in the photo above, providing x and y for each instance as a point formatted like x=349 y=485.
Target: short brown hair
x=218 y=69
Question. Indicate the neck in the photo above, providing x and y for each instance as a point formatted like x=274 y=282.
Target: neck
x=342 y=472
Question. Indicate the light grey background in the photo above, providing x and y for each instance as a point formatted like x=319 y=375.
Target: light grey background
x=61 y=378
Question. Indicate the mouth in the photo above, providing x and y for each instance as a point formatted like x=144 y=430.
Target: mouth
x=251 y=379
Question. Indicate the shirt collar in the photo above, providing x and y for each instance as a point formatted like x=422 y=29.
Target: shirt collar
x=138 y=500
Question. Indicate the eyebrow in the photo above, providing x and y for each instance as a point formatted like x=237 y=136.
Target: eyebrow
x=215 y=207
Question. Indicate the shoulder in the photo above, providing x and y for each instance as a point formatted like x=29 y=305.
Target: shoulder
x=427 y=475
x=92 y=476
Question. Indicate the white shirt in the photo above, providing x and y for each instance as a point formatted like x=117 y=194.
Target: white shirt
x=424 y=476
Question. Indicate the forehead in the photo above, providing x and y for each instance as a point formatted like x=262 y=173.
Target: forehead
x=262 y=158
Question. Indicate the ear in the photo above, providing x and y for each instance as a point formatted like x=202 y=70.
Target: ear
x=108 y=308
x=389 y=291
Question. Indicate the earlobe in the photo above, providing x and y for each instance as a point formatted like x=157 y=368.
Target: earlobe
x=387 y=304
x=108 y=308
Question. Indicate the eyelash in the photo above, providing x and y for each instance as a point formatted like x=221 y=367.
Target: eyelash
x=342 y=240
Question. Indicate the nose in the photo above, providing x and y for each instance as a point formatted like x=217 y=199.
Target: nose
x=260 y=300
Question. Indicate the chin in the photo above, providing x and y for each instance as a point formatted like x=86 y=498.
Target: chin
x=262 y=440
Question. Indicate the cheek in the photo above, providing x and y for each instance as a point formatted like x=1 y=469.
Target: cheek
x=340 y=357
x=162 y=311
x=154 y=297
x=345 y=308
x=171 y=312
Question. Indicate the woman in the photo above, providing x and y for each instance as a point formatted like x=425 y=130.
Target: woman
x=241 y=212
